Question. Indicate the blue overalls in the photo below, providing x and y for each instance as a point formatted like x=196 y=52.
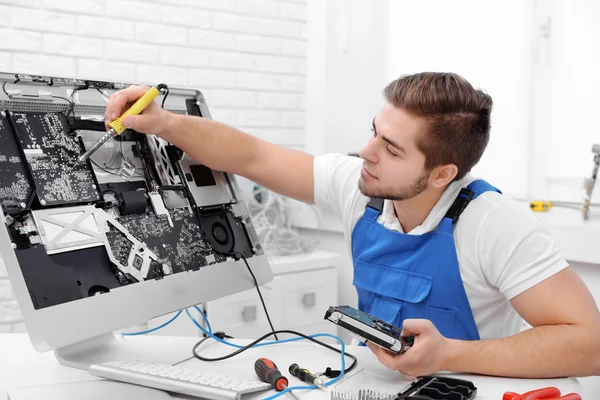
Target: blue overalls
x=399 y=276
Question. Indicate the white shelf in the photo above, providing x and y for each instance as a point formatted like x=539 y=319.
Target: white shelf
x=578 y=240
x=304 y=262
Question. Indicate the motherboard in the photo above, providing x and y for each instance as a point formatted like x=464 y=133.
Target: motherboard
x=51 y=155
x=179 y=247
x=90 y=235
x=15 y=187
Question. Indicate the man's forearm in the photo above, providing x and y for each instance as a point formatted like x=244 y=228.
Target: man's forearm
x=541 y=352
x=218 y=146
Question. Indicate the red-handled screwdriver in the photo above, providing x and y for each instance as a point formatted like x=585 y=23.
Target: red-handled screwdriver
x=267 y=372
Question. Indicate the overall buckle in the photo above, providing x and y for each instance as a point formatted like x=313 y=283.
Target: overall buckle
x=462 y=200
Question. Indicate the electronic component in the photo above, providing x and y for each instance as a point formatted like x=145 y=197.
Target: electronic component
x=439 y=387
x=206 y=187
x=51 y=156
x=180 y=246
x=15 y=186
x=365 y=327
x=174 y=199
x=134 y=202
x=158 y=205
x=226 y=233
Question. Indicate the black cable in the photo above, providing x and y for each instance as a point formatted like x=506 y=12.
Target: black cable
x=4 y=89
x=258 y=290
x=103 y=168
x=165 y=88
x=32 y=96
x=71 y=110
x=164 y=99
x=329 y=372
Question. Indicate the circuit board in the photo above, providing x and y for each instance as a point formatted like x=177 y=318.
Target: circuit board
x=52 y=156
x=120 y=245
x=15 y=186
x=180 y=246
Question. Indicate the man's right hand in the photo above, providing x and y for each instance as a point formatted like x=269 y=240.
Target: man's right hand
x=153 y=119
x=219 y=146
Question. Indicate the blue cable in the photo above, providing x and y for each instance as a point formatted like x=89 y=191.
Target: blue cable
x=331 y=382
x=209 y=333
x=153 y=329
x=204 y=317
x=168 y=322
x=237 y=346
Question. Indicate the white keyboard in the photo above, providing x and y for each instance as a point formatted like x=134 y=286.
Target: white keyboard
x=178 y=380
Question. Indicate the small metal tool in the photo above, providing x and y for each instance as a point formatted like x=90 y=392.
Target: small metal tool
x=362 y=395
x=306 y=376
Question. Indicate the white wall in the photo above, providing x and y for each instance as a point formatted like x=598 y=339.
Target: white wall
x=347 y=64
x=568 y=91
x=488 y=44
x=247 y=56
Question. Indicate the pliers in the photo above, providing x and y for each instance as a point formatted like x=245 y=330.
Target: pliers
x=548 y=393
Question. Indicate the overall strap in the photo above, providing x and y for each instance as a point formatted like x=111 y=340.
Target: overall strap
x=480 y=186
x=374 y=208
x=460 y=203
x=471 y=192
x=376 y=203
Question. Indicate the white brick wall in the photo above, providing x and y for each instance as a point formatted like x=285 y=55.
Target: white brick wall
x=247 y=56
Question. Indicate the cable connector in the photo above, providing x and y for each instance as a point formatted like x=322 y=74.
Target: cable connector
x=331 y=373
x=222 y=335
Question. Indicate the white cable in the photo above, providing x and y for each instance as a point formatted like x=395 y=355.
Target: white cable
x=273 y=224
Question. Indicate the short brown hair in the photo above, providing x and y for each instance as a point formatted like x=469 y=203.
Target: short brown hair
x=458 y=117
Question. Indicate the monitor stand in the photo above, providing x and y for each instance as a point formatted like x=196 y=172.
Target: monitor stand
x=108 y=347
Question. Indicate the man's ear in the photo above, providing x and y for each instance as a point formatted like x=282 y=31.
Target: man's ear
x=443 y=175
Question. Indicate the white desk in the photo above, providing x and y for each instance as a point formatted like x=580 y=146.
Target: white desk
x=21 y=365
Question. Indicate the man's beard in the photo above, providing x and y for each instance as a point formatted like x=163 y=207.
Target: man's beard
x=396 y=193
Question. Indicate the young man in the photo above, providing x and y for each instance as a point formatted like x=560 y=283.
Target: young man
x=444 y=256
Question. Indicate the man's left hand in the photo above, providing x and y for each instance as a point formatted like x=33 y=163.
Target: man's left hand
x=426 y=355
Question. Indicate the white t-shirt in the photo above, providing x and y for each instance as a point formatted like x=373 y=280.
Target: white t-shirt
x=502 y=248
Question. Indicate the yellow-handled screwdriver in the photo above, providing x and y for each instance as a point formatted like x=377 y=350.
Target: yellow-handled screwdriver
x=116 y=126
